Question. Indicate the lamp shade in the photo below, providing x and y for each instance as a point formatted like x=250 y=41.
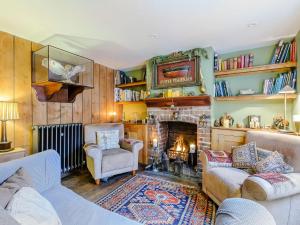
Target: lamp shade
x=8 y=111
x=296 y=118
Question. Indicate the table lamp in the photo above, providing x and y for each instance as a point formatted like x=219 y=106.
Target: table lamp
x=8 y=111
x=286 y=90
x=296 y=119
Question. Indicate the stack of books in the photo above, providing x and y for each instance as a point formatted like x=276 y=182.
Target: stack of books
x=122 y=78
x=222 y=89
x=240 y=62
x=274 y=85
x=129 y=95
x=285 y=52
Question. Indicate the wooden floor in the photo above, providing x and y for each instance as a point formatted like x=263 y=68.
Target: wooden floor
x=83 y=184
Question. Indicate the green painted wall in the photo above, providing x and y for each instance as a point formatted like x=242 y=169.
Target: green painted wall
x=296 y=109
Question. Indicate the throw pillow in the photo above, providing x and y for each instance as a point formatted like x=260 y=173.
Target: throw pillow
x=218 y=158
x=7 y=219
x=273 y=163
x=13 y=184
x=264 y=153
x=244 y=156
x=108 y=139
x=28 y=207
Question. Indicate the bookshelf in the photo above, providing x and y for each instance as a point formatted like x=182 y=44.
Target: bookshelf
x=269 y=68
x=134 y=84
x=255 y=97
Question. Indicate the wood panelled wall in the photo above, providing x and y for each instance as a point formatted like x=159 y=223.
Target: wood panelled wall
x=92 y=106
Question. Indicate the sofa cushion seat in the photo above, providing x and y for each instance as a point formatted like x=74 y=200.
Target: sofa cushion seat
x=262 y=190
x=72 y=209
x=225 y=182
x=116 y=158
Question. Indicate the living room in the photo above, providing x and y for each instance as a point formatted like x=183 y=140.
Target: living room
x=160 y=112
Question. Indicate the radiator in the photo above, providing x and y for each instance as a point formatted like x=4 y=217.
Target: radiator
x=66 y=139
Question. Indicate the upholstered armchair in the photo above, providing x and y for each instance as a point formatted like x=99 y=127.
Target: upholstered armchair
x=104 y=163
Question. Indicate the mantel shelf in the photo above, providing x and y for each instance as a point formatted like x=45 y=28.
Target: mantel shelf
x=134 y=84
x=130 y=102
x=203 y=100
x=254 y=97
x=279 y=68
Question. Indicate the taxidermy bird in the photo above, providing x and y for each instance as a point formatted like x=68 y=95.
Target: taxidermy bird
x=66 y=72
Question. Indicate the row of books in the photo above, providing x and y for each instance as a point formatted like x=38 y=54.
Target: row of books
x=122 y=78
x=274 y=85
x=240 y=62
x=222 y=89
x=129 y=95
x=285 y=52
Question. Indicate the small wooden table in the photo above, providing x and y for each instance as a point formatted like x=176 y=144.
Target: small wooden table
x=16 y=153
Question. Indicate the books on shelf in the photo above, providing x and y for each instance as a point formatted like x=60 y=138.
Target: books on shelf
x=222 y=89
x=274 y=85
x=127 y=95
x=122 y=78
x=285 y=52
x=239 y=62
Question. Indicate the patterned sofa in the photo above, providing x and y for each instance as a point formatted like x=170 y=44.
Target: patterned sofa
x=283 y=202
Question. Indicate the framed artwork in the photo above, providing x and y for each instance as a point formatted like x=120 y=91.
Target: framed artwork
x=254 y=121
x=183 y=72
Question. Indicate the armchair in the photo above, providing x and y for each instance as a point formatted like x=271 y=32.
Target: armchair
x=109 y=162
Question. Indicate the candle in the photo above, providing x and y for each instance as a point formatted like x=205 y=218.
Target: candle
x=154 y=141
x=192 y=148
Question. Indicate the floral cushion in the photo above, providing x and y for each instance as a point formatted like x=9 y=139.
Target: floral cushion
x=244 y=156
x=107 y=139
x=264 y=153
x=273 y=163
x=218 y=158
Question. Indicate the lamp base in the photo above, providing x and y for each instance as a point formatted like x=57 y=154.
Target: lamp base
x=5 y=146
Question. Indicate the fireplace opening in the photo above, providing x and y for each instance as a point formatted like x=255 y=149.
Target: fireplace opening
x=179 y=156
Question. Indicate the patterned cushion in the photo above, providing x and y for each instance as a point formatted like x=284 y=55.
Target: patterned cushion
x=264 y=153
x=107 y=139
x=273 y=163
x=244 y=156
x=218 y=158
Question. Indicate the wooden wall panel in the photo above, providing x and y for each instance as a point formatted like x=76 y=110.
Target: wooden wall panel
x=96 y=95
x=22 y=87
x=92 y=105
x=7 y=76
x=103 y=94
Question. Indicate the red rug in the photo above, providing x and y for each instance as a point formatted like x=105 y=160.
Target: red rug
x=150 y=200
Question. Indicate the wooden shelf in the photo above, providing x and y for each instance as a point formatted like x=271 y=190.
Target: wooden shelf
x=203 y=100
x=132 y=102
x=255 y=97
x=279 y=68
x=134 y=84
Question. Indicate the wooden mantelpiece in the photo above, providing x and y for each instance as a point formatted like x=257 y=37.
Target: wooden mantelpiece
x=203 y=100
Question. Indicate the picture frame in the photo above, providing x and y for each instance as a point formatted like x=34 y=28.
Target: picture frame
x=178 y=73
x=254 y=121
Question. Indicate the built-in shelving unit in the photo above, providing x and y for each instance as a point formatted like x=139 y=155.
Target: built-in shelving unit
x=270 y=68
x=255 y=97
x=130 y=102
x=134 y=84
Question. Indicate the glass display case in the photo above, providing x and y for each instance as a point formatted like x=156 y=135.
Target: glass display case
x=58 y=75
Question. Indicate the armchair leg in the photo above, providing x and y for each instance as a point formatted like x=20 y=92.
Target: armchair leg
x=97 y=181
x=133 y=172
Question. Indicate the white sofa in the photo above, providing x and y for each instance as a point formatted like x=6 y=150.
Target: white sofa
x=109 y=162
x=221 y=183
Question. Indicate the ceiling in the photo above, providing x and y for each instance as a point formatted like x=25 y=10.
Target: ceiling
x=124 y=33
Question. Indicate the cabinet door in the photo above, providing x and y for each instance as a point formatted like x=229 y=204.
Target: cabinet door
x=224 y=140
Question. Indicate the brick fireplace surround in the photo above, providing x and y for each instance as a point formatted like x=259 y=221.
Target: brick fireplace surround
x=188 y=114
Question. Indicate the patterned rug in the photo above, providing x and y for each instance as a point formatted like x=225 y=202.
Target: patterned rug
x=151 y=200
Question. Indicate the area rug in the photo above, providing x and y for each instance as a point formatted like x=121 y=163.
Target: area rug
x=151 y=200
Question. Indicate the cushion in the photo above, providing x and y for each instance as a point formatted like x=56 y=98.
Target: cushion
x=218 y=158
x=14 y=183
x=28 y=207
x=116 y=158
x=107 y=139
x=244 y=156
x=7 y=219
x=264 y=153
x=273 y=163
x=225 y=182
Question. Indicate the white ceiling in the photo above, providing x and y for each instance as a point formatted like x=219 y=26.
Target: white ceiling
x=125 y=33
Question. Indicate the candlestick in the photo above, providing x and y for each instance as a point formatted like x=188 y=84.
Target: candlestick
x=155 y=143
x=192 y=148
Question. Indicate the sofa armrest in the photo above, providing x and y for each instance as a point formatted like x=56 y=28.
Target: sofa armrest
x=211 y=159
x=134 y=146
x=262 y=190
x=204 y=161
x=94 y=160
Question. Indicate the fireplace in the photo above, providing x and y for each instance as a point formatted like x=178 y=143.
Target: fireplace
x=188 y=125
